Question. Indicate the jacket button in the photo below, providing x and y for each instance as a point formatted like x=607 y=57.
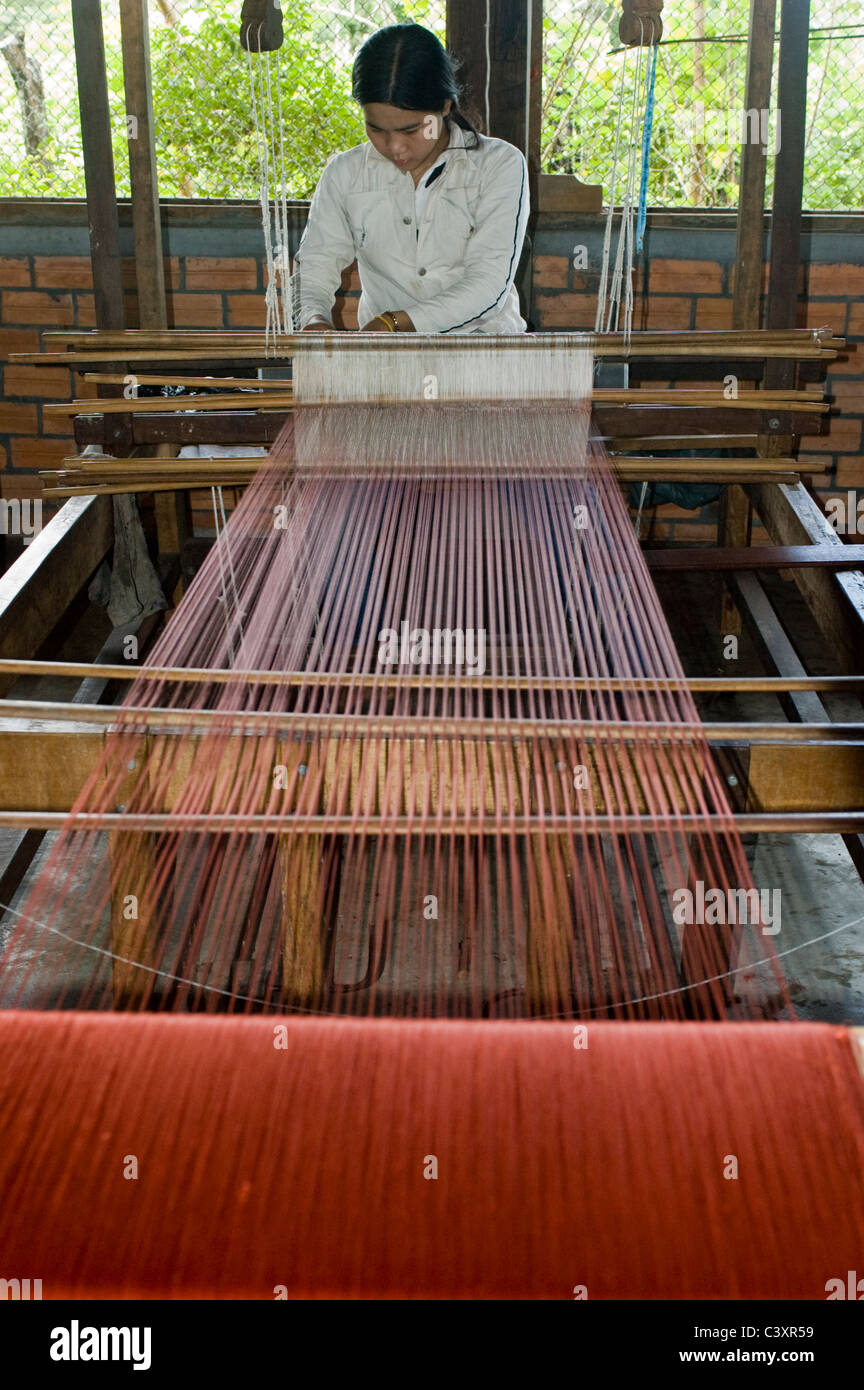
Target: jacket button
x=421 y=271
x=407 y=221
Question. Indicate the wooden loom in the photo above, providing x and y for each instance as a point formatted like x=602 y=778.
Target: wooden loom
x=790 y=777
x=798 y=776
x=505 y=1236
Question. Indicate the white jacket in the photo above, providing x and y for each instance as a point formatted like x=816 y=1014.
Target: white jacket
x=457 y=276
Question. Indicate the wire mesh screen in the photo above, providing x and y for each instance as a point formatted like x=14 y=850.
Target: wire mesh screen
x=700 y=114
x=205 y=145
x=205 y=140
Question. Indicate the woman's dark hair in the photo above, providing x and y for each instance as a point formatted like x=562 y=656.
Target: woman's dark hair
x=405 y=65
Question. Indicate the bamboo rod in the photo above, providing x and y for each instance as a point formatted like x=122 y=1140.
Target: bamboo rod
x=791 y=402
x=161 y=405
x=804 y=351
x=785 y=823
x=253 y=382
x=110 y=465
x=141 y=719
x=195 y=337
x=103 y=489
x=146 y=484
x=202 y=675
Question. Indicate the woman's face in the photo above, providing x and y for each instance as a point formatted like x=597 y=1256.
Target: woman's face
x=406 y=138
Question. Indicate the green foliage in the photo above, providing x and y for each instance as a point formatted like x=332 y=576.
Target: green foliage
x=205 y=137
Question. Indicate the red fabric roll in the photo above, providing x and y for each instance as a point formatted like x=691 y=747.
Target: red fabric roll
x=348 y=1158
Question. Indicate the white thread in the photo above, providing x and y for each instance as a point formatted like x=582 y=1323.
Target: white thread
x=488 y=63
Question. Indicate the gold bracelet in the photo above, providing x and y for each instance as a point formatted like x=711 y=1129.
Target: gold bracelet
x=382 y=318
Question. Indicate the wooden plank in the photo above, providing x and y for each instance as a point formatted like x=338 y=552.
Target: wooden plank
x=38 y=588
x=515 y=26
x=749 y=228
x=61 y=759
x=760 y=557
x=836 y=601
x=785 y=258
x=98 y=164
x=149 y=267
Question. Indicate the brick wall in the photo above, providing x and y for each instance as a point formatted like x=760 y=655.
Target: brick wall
x=214 y=279
x=688 y=283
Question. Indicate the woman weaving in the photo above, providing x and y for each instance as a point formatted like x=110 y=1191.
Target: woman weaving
x=433 y=212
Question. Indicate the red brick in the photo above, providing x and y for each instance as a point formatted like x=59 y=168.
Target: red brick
x=18 y=340
x=63 y=272
x=664 y=311
x=576 y=311
x=687 y=277
x=850 y=471
x=34 y=306
x=246 y=311
x=23 y=485
x=195 y=311
x=848 y=393
x=821 y=313
x=713 y=313
x=843 y=436
x=52 y=383
x=817 y=464
x=18 y=419
x=550 y=272
x=221 y=273
x=849 y=363
x=32 y=454
x=838 y=281
x=15 y=271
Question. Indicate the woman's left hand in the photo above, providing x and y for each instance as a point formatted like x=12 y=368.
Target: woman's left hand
x=391 y=321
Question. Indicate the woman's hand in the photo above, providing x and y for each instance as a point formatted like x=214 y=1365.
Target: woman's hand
x=318 y=325
x=390 y=321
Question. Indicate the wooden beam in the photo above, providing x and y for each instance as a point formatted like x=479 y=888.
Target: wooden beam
x=749 y=230
x=38 y=588
x=836 y=601
x=789 y=165
x=759 y=557
x=149 y=268
x=98 y=164
x=514 y=81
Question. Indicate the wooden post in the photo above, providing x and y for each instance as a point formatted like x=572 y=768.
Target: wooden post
x=172 y=523
x=147 y=228
x=98 y=164
x=751 y=187
x=788 y=176
x=514 y=84
x=735 y=510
